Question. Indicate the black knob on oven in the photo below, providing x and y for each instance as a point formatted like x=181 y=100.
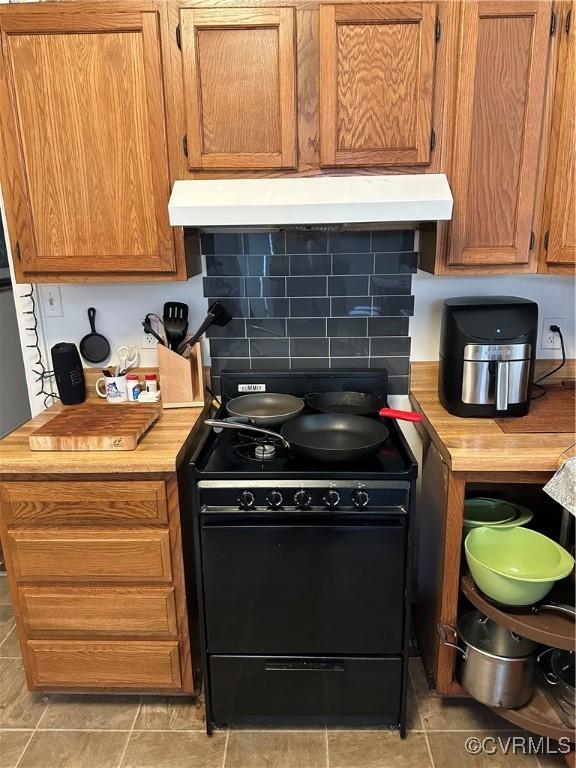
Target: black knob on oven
x=302 y=499
x=246 y=500
x=360 y=498
x=274 y=499
x=331 y=498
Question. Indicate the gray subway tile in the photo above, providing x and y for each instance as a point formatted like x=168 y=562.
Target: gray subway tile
x=393 y=240
x=308 y=347
x=269 y=307
x=306 y=241
x=264 y=242
x=349 y=242
x=223 y=286
x=349 y=285
x=265 y=328
x=395 y=345
x=395 y=263
x=270 y=363
x=390 y=285
x=309 y=363
x=265 y=265
x=310 y=307
x=220 y=364
x=349 y=362
x=396 y=366
x=229 y=348
x=351 y=306
x=388 y=326
x=352 y=263
x=226 y=264
x=269 y=347
x=393 y=305
x=236 y=329
x=221 y=242
x=347 y=326
x=306 y=326
x=349 y=347
x=235 y=307
x=306 y=286
x=265 y=286
x=398 y=385
x=310 y=264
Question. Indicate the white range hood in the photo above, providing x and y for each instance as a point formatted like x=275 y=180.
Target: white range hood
x=316 y=200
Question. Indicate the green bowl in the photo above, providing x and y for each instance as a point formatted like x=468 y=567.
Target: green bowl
x=515 y=566
x=480 y=512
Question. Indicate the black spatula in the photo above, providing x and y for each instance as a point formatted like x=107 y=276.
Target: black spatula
x=175 y=319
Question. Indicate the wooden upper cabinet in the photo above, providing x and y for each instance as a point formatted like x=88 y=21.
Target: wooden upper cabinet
x=83 y=130
x=376 y=83
x=239 y=75
x=500 y=97
x=559 y=218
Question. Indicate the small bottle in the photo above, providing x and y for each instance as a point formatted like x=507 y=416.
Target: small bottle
x=133 y=387
x=151 y=381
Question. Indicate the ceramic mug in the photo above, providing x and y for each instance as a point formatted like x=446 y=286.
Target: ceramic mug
x=114 y=389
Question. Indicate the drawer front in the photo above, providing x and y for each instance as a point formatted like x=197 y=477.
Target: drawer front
x=98 y=611
x=62 y=503
x=51 y=555
x=85 y=665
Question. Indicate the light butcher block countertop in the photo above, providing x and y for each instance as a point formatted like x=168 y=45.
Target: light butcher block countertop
x=160 y=450
x=480 y=445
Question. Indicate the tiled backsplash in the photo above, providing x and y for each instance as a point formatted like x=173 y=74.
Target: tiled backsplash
x=312 y=299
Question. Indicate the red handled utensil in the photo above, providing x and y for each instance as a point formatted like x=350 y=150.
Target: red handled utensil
x=393 y=413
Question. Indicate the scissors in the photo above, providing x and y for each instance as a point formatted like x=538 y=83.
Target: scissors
x=127 y=358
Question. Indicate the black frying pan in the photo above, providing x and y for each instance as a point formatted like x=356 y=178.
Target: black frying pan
x=358 y=403
x=324 y=436
x=94 y=347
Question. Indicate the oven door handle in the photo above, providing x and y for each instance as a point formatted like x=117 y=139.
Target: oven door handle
x=304 y=666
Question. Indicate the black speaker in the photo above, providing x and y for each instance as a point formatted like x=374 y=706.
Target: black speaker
x=69 y=373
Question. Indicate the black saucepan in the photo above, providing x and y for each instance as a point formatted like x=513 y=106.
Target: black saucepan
x=330 y=437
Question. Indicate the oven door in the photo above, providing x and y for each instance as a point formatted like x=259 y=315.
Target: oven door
x=313 y=585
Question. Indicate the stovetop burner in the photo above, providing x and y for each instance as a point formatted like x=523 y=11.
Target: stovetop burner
x=259 y=449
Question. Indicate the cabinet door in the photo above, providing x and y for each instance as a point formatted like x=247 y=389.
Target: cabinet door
x=83 y=123
x=561 y=249
x=500 y=98
x=239 y=87
x=376 y=83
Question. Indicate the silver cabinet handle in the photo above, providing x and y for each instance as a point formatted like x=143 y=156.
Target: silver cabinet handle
x=502 y=377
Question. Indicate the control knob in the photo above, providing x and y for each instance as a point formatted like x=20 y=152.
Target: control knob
x=360 y=498
x=274 y=499
x=302 y=499
x=331 y=498
x=246 y=500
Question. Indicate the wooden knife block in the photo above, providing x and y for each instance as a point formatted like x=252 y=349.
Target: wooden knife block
x=181 y=379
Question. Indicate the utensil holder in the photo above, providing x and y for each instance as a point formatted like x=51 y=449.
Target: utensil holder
x=181 y=379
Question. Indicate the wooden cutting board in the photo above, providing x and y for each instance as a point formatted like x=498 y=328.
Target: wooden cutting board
x=555 y=412
x=95 y=428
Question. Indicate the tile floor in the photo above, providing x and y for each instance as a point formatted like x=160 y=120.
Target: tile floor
x=60 y=731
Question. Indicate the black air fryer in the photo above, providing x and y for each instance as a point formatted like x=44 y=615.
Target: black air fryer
x=487 y=351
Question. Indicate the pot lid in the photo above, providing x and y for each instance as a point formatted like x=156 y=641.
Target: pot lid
x=488 y=636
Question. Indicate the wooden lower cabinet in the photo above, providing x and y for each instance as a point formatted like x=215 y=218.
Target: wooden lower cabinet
x=97 y=611
x=82 y=664
x=98 y=605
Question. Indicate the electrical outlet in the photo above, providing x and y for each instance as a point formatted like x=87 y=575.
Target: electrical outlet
x=550 y=339
x=51 y=301
x=147 y=341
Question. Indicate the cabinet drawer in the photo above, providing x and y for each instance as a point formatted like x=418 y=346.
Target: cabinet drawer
x=92 y=611
x=72 y=664
x=48 y=555
x=62 y=503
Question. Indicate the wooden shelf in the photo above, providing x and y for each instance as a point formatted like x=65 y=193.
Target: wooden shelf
x=538 y=716
x=548 y=628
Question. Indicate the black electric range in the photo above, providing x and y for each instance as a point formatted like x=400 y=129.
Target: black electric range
x=304 y=606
